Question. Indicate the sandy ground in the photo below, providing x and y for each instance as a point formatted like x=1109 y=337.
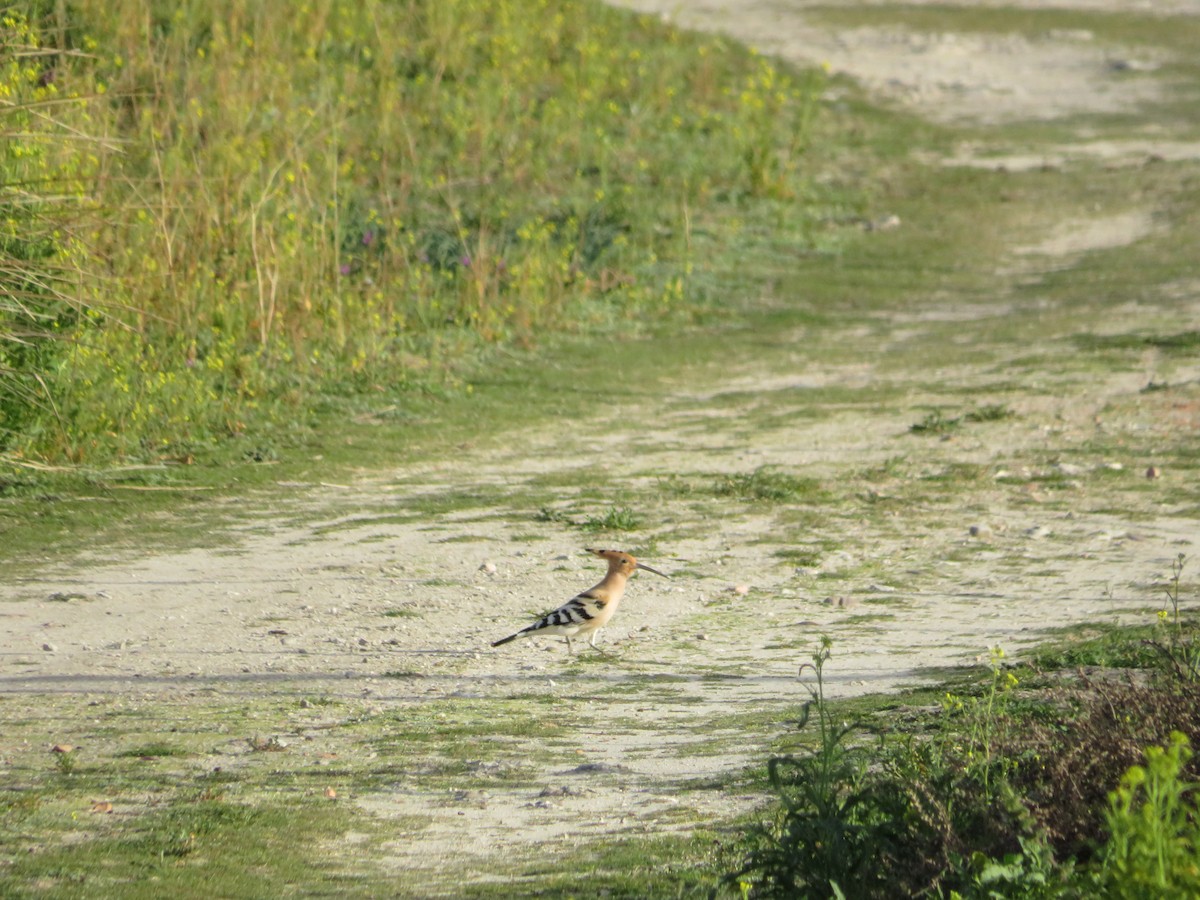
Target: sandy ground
x=295 y=609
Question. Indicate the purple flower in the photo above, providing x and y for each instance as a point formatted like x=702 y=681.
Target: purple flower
x=368 y=237
x=465 y=260
x=344 y=268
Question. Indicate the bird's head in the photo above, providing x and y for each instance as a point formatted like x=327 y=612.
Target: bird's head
x=619 y=561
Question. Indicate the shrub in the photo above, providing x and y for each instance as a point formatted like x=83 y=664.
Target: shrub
x=1009 y=797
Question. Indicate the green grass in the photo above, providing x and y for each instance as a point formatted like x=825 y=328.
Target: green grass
x=376 y=223
x=684 y=866
x=233 y=848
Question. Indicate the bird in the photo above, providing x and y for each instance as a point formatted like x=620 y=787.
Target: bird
x=588 y=612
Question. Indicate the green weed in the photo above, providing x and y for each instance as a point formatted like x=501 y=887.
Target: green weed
x=994 y=794
x=619 y=518
x=1178 y=647
x=546 y=514
x=830 y=829
x=1180 y=342
x=799 y=556
x=65 y=760
x=1153 y=820
x=982 y=716
x=938 y=423
x=767 y=484
x=154 y=750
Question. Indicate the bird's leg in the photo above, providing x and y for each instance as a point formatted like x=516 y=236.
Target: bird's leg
x=592 y=644
x=568 y=637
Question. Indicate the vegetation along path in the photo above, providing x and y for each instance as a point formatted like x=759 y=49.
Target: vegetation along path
x=972 y=420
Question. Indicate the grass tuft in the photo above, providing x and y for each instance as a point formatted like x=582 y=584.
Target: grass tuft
x=619 y=518
x=938 y=423
x=767 y=484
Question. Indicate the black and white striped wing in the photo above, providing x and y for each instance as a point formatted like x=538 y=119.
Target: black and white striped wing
x=569 y=618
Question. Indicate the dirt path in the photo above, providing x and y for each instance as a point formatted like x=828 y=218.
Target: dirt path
x=944 y=75
x=295 y=610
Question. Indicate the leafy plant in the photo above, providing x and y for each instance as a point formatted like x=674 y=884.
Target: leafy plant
x=983 y=716
x=1029 y=874
x=832 y=828
x=1178 y=648
x=619 y=518
x=64 y=760
x=1154 y=824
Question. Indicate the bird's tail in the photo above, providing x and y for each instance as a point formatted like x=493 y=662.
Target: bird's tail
x=511 y=637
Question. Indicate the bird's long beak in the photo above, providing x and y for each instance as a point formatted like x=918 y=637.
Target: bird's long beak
x=655 y=571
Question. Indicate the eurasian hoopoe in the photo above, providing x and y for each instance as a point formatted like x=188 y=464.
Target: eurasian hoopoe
x=590 y=611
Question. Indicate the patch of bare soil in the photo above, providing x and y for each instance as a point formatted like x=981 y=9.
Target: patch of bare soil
x=297 y=609
x=945 y=76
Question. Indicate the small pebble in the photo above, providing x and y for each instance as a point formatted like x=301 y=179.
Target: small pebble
x=49 y=647
x=1153 y=472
